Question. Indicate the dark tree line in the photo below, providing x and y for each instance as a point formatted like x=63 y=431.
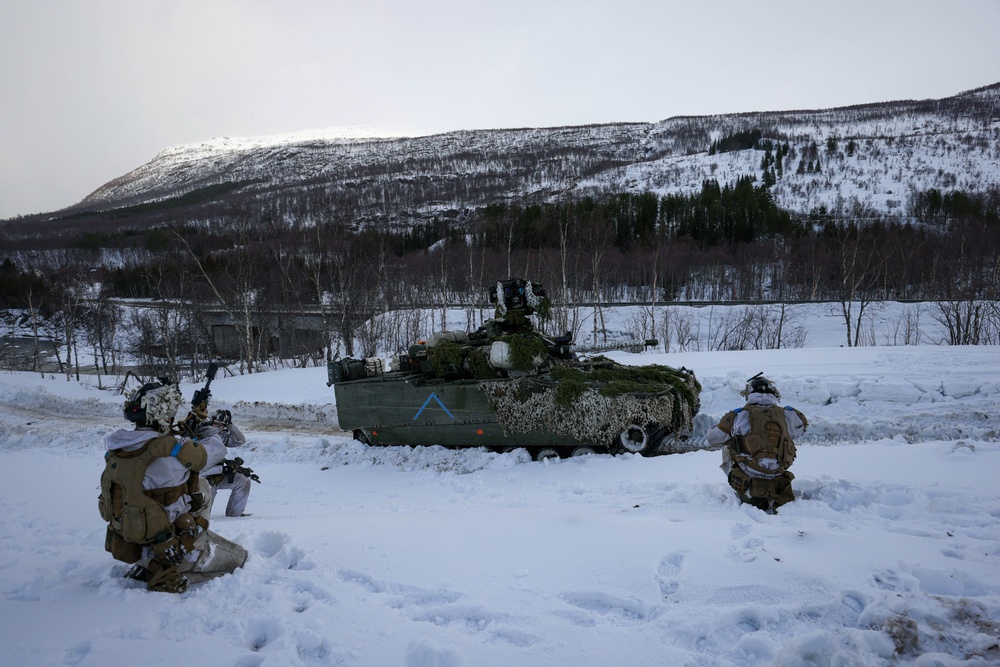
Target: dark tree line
x=724 y=243
x=737 y=141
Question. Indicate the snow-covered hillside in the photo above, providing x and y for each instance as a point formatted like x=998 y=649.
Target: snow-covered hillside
x=884 y=152
x=429 y=557
x=898 y=148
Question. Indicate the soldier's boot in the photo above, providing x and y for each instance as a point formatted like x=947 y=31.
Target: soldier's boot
x=760 y=503
x=163 y=568
x=782 y=490
x=165 y=579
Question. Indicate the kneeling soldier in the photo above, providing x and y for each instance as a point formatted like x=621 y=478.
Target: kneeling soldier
x=150 y=496
x=759 y=445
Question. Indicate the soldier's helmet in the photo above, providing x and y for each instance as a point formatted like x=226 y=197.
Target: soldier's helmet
x=759 y=384
x=154 y=404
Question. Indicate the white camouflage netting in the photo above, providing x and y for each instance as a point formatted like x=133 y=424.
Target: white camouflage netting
x=521 y=407
x=162 y=404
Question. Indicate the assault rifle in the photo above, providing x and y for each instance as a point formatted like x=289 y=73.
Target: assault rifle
x=199 y=402
x=231 y=467
x=635 y=346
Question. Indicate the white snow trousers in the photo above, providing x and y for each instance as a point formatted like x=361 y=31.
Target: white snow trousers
x=239 y=494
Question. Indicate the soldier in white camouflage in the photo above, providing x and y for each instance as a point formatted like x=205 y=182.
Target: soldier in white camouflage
x=758 y=445
x=223 y=476
x=151 y=492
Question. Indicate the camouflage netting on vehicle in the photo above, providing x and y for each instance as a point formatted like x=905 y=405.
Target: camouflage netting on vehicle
x=595 y=402
x=454 y=360
x=446 y=359
x=527 y=352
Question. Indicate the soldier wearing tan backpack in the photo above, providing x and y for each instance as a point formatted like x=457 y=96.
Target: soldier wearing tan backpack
x=759 y=445
x=151 y=494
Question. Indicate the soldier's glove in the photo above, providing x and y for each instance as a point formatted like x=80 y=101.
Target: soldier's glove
x=169 y=551
x=186 y=524
x=187 y=531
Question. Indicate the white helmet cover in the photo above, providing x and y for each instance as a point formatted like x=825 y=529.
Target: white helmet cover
x=161 y=405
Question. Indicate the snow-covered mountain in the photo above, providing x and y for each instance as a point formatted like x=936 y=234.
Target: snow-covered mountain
x=877 y=155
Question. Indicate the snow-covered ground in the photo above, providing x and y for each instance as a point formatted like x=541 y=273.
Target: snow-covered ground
x=427 y=557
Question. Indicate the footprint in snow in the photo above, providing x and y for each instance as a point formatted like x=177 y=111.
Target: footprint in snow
x=668 y=576
x=278 y=548
x=847 y=612
x=314 y=650
x=612 y=610
x=363 y=580
x=748 y=551
x=261 y=632
x=401 y=596
x=726 y=637
x=75 y=654
x=306 y=594
x=425 y=652
x=891 y=580
x=740 y=530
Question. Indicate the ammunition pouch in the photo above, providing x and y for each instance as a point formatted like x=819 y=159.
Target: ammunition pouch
x=777 y=489
x=120 y=549
x=739 y=480
x=192 y=455
x=142 y=523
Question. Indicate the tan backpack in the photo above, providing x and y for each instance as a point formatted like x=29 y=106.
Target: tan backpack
x=136 y=516
x=768 y=439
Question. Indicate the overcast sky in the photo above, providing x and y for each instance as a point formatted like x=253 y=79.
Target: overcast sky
x=91 y=89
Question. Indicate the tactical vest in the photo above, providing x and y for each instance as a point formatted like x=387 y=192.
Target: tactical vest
x=135 y=514
x=768 y=438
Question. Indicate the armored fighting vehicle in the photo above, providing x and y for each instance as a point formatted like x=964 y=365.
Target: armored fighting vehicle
x=505 y=386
